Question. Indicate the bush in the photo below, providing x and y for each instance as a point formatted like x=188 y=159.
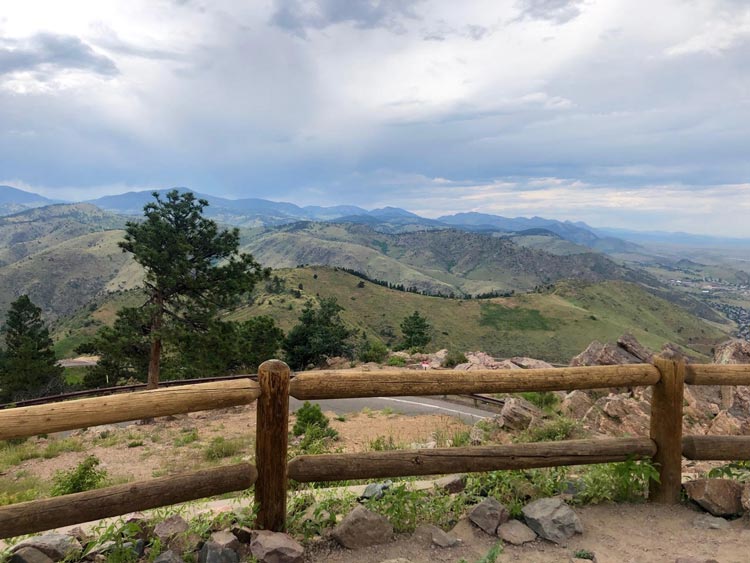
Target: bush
x=372 y=351
x=545 y=400
x=453 y=358
x=220 y=448
x=84 y=477
x=396 y=361
x=310 y=415
x=626 y=481
x=554 y=430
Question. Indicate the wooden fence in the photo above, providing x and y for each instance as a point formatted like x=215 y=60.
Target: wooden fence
x=665 y=445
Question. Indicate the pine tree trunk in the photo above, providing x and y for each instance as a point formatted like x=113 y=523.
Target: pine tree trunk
x=155 y=357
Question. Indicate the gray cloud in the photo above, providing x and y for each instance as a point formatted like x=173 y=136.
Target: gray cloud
x=557 y=11
x=49 y=51
x=299 y=15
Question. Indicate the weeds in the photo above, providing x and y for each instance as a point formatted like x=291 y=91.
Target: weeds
x=83 y=477
x=383 y=444
x=626 y=481
x=554 y=430
x=221 y=447
x=187 y=436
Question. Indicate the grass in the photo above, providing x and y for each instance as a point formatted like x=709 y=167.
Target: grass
x=187 y=436
x=220 y=448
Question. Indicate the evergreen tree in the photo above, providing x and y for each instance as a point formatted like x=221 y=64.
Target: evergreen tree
x=29 y=367
x=193 y=270
x=416 y=331
x=320 y=334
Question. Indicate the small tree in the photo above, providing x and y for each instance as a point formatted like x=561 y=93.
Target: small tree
x=193 y=270
x=320 y=334
x=416 y=331
x=29 y=365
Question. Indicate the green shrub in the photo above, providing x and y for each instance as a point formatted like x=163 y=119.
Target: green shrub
x=317 y=439
x=374 y=351
x=545 y=400
x=84 y=477
x=309 y=415
x=453 y=358
x=383 y=444
x=187 y=436
x=626 y=481
x=396 y=361
x=554 y=430
x=220 y=448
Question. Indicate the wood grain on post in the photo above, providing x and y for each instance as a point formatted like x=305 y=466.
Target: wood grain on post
x=40 y=515
x=666 y=430
x=717 y=374
x=724 y=448
x=82 y=413
x=394 y=383
x=271 y=445
x=372 y=465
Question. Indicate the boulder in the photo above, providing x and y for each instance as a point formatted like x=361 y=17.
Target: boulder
x=55 y=546
x=243 y=534
x=435 y=536
x=212 y=552
x=274 y=547
x=708 y=522
x=29 y=555
x=619 y=414
x=362 y=528
x=488 y=515
x=171 y=527
x=630 y=344
x=552 y=519
x=225 y=539
x=376 y=490
x=169 y=557
x=530 y=363
x=576 y=404
x=733 y=351
x=516 y=533
x=452 y=483
x=725 y=424
x=598 y=354
x=720 y=497
x=518 y=414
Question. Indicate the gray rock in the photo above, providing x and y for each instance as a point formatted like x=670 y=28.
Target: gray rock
x=169 y=557
x=552 y=519
x=169 y=528
x=243 y=534
x=362 y=528
x=274 y=547
x=516 y=533
x=720 y=497
x=212 y=552
x=708 y=522
x=452 y=483
x=29 y=555
x=55 y=546
x=518 y=414
x=436 y=536
x=488 y=515
x=375 y=490
x=226 y=539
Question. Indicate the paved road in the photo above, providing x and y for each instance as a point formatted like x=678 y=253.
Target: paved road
x=403 y=405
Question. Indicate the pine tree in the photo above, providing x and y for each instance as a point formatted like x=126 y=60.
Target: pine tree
x=416 y=331
x=29 y=366
x=320 y=334
x=193 y=270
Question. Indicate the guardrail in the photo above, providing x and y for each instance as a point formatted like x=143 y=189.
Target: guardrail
x=272 y=471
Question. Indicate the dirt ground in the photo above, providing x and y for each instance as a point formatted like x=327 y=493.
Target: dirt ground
x=639 y=533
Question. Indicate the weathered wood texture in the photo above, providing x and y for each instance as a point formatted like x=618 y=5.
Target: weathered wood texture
x=82 y=413
x=271 y=445
x=394 y=383
x=725 y=448
x=717 y=374
x=372 y=465
x=666 y=430
x=40 y=515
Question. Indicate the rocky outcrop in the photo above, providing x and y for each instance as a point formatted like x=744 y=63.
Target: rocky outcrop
x=619 y=414
x=598 y=354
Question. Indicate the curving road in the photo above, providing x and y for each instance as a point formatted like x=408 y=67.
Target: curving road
x=403 y=405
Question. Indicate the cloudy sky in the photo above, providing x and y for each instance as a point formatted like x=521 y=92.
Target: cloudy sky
x=626 y=113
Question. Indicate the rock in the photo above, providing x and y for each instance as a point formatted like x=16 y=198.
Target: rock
x=212 y=552
x=516 y=533
x=274 y=547
x=630 y=344
x=720 y=497
x=452 y=483
x=708 y=522
x=78 y=534
x=576 y=404
x=618 y=415
x=29 y=555
x=139 y=521
x=724 y=424
x=362 y=528
x=376 y=490
x=169 y=557
x=598 y=354
x=182 y=543
x=530 y=363
x=435 y=536
x=518 y=414
x=488 y=515
x=476 y=434
x=225 y=539
x=169 y=528
x=552 y=519
x=243 y=534
x=733 y=351
x=55 y=546
x=745 y=497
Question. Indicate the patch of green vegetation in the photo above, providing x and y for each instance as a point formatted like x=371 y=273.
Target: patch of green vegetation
x=383 y=444
x=84 y=477
x=187 y=436
x=221 y=447
x=512 y=318
x=21 y=487
x=56 y=447
x=396 y=361
x=552 y=430
x=545 y=400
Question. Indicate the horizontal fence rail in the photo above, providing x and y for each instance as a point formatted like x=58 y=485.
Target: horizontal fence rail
x=402 y=463
x=724 y=448
x=717 y=374
x=40 y=515
x=44 y=419
x=395 y=383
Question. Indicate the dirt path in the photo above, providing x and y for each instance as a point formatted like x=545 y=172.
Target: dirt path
x=640 y=533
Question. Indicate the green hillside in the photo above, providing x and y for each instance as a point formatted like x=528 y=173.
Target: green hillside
x=553 y=326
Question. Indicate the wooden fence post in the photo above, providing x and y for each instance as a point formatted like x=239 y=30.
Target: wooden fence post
x=271 y=445
x=666 y=430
